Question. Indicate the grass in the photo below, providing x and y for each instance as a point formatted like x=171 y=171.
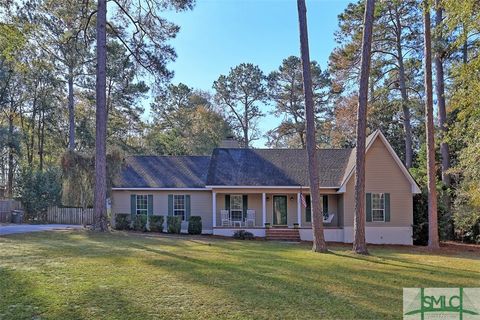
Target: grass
x=83 y=275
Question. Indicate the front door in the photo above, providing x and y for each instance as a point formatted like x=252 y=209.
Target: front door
x=279 y=210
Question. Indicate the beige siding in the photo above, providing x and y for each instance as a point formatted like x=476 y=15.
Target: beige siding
x=383 y=175
x=201 y=203
x=340 y=209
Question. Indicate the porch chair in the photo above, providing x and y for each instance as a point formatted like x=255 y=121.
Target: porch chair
x=225 y=217
x=250 y=217
x=327 y=218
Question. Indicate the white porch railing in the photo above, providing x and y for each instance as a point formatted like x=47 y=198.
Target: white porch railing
x=229 y=220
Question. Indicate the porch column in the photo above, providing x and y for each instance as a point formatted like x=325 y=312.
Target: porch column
x=264 y=209
x=299 y=209
x=214 y=208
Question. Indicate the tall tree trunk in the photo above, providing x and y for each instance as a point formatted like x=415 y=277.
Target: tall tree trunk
x=407 y=126
x=101 y=121
x=71 y=112
x=299 y=130
x=359 y=243
x=440 y=87
x=433 y=241
x=302 y=139
x=442 y=112
x=245 y=120
x=319 y=244
x=31 y=145
x=11 y=162
x=39 y=133
x=245 y=135
x=41 y=139
x=465 y=46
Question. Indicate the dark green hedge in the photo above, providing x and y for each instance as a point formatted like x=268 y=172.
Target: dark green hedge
x=243 y=235
x=195 y=225
x=174 y=224
x=140 y=222
x=156 y=223
x=122 y=221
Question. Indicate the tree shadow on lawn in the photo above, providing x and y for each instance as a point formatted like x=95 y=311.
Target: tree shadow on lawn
x=17 y=297
x=23 y=299
x=103 y=302
x=389 y=260
x=37 y=253
x=262 y=251
x=356 y=281
x=247 y=279
x=270 y=295
x=384 y=256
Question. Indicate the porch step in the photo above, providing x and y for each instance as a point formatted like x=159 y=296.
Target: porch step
x=282 y=234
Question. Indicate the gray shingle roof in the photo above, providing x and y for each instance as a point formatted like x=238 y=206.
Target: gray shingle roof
x=274 y=167
x=233 y=167
x=163 y=172
x=237 y=167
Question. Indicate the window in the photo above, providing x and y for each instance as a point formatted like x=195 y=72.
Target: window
x=378 y=207
x=236 y=207
x=142 y=204
x=179 y=205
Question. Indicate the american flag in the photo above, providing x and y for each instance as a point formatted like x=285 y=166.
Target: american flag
x=304 y=202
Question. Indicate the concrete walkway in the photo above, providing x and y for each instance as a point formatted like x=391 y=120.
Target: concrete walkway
x=25 y=228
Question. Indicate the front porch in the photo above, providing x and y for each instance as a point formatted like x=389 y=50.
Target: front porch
x=256 y=211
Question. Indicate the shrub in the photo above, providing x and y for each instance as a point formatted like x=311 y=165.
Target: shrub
x=243 y=235
x=122 y=221
x=174 y=224
x=466 y=215
x=39 y=190
x=156 y=223
x=195 y=225
x=420 y=220
x=140 y=222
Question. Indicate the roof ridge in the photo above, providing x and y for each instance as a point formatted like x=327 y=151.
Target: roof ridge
x=295 y=149
x=165 y=156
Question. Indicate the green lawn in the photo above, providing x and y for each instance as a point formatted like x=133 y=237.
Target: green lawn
x=82 y=275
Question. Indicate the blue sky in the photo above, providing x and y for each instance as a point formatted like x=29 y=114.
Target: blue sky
x=220 y=34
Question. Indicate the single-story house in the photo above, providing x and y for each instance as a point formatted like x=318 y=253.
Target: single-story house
x=268 y=189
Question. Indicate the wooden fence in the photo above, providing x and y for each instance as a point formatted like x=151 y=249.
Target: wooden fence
x=70 y=215
x=6 y=207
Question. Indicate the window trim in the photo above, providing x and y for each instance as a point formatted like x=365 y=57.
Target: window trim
x=232 y=196
x=372 y=208
x=136 y=204
x=184 y=215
